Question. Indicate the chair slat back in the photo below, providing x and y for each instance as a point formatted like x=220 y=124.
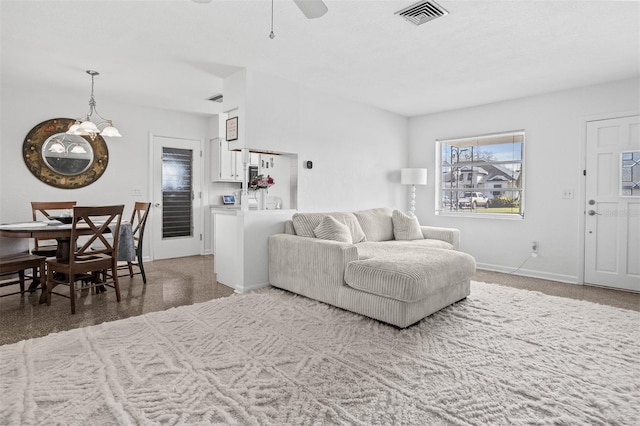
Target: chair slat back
x=101 y=220
x=139 y=220
x=46 y=209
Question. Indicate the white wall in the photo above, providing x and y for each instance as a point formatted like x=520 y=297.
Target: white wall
x=357 y=150
x=272 y=111
x=25 y=104
x=554 y=159
x=357 y=153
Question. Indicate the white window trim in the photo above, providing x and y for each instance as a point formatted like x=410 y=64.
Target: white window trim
x=466 y=214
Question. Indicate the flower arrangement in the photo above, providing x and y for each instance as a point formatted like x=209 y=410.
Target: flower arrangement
x=261 y=182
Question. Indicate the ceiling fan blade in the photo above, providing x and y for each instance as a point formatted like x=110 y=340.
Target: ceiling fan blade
x=312 y=8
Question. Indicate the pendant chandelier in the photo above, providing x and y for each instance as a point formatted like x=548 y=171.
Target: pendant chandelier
x=86 y=126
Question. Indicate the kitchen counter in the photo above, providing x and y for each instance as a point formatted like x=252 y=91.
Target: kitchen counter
x=241 y=245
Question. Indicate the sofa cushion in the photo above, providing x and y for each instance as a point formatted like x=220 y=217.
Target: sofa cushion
x=406 y=227
x=288 y=227
x=409 y=278
x=330 y=229
x=376 y=224
x=370 y=249
x=305 y=223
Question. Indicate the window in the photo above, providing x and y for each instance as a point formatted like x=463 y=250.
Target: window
x=481 y=175
x=177 y=192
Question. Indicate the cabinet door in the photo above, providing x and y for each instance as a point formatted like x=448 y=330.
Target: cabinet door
x=227 y=163
x=238 y=168
x=216 y=173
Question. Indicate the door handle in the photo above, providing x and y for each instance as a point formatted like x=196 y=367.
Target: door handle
x=593 y=213
x=156 y=205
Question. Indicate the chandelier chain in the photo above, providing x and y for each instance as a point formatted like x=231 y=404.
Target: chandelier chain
x=271 y=34
x=87 y=127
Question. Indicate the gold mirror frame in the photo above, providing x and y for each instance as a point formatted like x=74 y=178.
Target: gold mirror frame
x=32 y=154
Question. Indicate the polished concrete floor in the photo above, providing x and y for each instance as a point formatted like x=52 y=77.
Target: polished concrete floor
x=170 y=283
x=184 y=281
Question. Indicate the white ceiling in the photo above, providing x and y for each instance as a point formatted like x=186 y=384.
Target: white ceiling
x=174 y=54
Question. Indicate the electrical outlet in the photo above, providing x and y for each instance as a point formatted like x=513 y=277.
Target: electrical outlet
x=136 y=191
x=534 y=249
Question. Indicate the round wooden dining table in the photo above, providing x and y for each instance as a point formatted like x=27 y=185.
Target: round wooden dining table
x=59 y=232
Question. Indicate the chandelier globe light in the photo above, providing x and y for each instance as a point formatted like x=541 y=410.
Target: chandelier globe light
x=86 y=126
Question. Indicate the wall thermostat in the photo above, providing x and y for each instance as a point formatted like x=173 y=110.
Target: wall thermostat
x=309 y=164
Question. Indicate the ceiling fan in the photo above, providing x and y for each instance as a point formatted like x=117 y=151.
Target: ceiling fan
x=311 y=8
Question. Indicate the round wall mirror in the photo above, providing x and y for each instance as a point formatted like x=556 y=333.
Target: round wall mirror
x=66 y=154
x=62 y=160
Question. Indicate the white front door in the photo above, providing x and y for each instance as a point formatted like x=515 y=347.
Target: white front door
x=177 y=197
x=612 y=222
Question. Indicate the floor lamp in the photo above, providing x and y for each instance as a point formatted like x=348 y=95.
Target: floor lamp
x=413 y=177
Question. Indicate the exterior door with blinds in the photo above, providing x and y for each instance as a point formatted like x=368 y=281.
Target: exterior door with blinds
x=177 y=200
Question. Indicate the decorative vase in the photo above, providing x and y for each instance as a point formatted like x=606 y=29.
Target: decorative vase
x=262 y=199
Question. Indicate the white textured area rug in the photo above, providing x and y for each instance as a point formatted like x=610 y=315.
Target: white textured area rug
x=502 y=356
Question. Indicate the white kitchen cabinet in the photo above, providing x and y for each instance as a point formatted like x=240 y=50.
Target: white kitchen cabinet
x=226 y=166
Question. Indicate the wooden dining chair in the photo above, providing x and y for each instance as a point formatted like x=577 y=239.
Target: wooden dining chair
x=86 y=262
x=138 y=223
x=17 y=264
x=45 y=210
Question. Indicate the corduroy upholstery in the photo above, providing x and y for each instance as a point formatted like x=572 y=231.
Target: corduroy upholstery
x=397 y=282
x=409 y=278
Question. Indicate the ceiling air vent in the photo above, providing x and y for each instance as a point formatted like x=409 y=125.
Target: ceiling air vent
x=216 y=98
x=422 y=12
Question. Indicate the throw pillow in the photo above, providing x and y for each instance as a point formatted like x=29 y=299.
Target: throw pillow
x=305 y=223
x=406 y=227
x=331 y=229
x=376 y=224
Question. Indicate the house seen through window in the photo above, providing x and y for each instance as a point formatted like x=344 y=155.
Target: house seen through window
x=481 y=175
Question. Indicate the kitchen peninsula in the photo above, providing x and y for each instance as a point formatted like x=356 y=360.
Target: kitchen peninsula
x=241 y=259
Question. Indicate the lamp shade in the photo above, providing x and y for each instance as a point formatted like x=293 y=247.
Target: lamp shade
x=87 y=127
x=111 y=132
x=413 y=176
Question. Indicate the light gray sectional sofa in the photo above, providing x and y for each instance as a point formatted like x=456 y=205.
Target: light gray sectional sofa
x=378 y=263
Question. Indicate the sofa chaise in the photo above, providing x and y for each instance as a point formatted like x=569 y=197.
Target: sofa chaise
x=378 y=263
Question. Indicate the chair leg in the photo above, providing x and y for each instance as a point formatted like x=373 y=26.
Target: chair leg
x=72 y=293
x=37 y=280
x=116 y=284
x=130 y=265
x=21 y=278
x=96 y=280
x=49 y=286
x=144 y=277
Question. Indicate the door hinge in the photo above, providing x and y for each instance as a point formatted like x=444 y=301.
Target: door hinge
x=200 y=237
x=200 y=153
x=584 y=172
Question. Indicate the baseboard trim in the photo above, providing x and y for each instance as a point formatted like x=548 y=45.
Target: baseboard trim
x=251 y=287
x=570 y=279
